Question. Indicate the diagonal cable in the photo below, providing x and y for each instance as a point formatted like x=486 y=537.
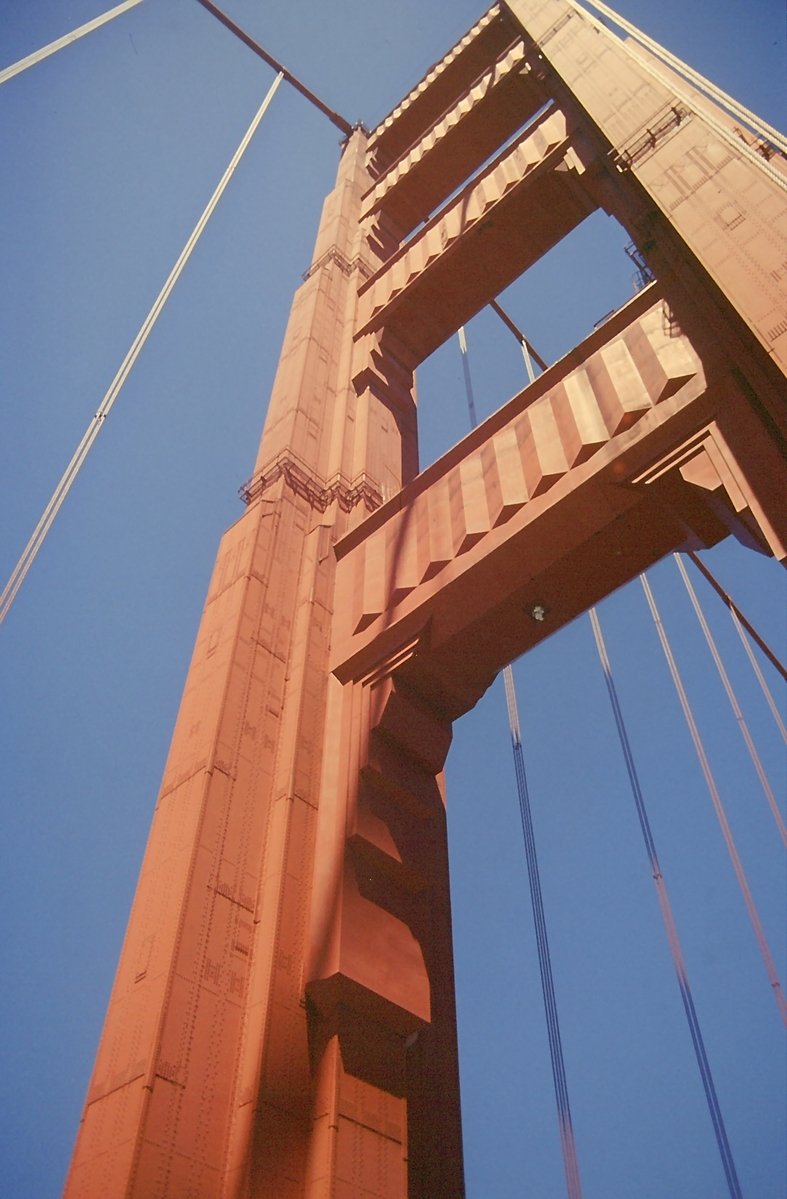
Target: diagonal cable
x=718 y=807
x=51 y=510
x=566 y=1128
x=731 y=696
x=738 y=617
x=37 y=56
x=771 y=702
x=668 y=918
x=267 y=57
x=738 y=110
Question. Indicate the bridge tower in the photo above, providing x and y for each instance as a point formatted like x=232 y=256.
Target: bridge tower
x=282 y=1021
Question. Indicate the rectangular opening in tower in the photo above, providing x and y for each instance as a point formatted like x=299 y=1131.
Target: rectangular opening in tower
x=556 y=303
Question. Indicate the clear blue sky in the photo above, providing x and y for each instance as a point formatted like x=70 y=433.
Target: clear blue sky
x=110 y=151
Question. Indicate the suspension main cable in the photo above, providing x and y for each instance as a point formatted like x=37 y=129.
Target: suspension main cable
x=731 y=696
x=721 y=130
x=267 y=57
x=16 y=68
x=64 y=486
x=718 y=806
x=691 y=75
x=668 y=918
x=566 y=1129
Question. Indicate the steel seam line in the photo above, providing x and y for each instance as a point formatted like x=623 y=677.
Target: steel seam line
x=58 y=496
x=16 y=68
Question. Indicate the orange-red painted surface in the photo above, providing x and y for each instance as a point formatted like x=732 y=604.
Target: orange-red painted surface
x=282 y=1022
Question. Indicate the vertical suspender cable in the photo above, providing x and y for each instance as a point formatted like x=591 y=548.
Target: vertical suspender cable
x=528 y=351
x=721 y=815
x=531 y=374
x=740 y=619
x=16 y=68
x=669 y=920
x=731 y=696
x=771 y=702
x=567 y=1142
x=61 y=491
x=740 y=623
x=468 y=381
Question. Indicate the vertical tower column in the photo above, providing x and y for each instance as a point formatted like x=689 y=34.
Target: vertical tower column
x=380 y=970
x=202 y=1083
x=282 y=1022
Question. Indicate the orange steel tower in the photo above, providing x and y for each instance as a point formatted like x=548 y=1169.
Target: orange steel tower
x=282 y=1021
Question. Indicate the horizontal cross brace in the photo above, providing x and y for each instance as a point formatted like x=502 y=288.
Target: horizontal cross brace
x=521 y=205
x=530 y=491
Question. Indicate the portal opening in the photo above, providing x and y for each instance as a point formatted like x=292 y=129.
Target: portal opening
x=556 y=303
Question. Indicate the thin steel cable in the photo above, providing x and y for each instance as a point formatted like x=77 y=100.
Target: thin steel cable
x=565 y=1125
x=740 y=623
x=262 y=53
x=23 y=64
x=668 y=918
x=528 y=351
x=721 y=815
x=531 y=374
x=734 y=106
x=51 y=510
x=733 y=607
x=566 y=1128
x=468 y=381
x=731 y=696
x=771 y=702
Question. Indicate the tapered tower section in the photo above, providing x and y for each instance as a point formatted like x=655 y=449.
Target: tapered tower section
x=202 y=1084
x=282 y=1023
